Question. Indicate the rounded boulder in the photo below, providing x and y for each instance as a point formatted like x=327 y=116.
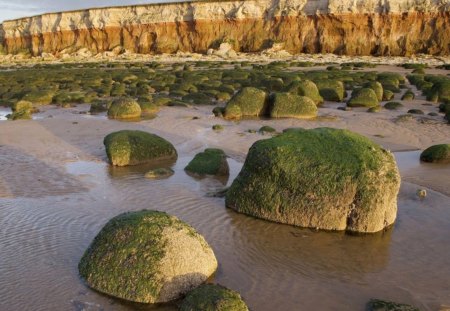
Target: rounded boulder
x=321 y=178
x=147 y=257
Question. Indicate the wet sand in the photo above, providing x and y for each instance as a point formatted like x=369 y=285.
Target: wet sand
x=57 y=191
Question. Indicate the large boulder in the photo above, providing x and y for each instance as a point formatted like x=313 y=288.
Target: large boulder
x=306 y=88
x=363 y=98
x=248 y=102
x=137 y=147
x=321 y=178
x=436 y=154
x=288 y=105
x=147 y=257
x=124 y=108
x=211 y=297
x=210 y=162
x=382 y=305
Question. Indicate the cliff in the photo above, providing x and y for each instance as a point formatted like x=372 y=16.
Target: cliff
x=351 y=27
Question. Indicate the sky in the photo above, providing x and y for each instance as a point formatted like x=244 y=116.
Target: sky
x=21 y=8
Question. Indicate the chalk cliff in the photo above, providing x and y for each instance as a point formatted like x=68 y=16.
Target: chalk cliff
x=351 y=27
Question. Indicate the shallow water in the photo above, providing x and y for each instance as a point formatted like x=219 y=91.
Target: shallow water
x=45 y=228
x=4 y=112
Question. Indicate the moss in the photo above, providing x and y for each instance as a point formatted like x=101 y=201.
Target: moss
x=377 y=88
x=415 y=111
x=382 y=305
x=218 y=111
x=149 y=108
x=159 y=173
x=198 y=99
x=125 y=258
x=210 y=162
x=306 y=88
x=217 y=127
x=248 y=102
x=393 y=105
x=288 y=105
x=267 y=129
x=20 y=115
x=409 y=95
x=436 y=154
x=374 y=109
x=22 y=105
x=321 y=178
x=43 y=97
x=419 y=71
x=363 y=98
x=388 y=95
x=332 y=90
x=211 y=297
x=137 y=147
x=124 y=108
x=99 y=106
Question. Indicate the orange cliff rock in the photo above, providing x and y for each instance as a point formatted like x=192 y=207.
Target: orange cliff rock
x=350 y=27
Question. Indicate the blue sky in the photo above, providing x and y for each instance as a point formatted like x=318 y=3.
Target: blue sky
x=22 y=8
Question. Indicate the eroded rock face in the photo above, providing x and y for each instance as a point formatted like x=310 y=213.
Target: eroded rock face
x=391 y=27
x=321 y=178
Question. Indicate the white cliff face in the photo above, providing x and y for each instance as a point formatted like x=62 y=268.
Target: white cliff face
x=179 y=12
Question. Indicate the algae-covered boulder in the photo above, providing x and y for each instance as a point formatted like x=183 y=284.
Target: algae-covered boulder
x=124 y=108
x=377 y=88
x=147 y=257
x=211 y=297
x=210 y=162
x=436 y=154
x=248 y=102
x=21 y=110
x=363 y=98
x=321 y=178
x=136 y=147
x=288 y=105
x=382 y=305
x=332 y=90
x=159 y=173
x=306 y=88
x=393 y=105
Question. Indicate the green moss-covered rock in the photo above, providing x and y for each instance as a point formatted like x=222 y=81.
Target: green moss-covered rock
x=124 y=108
x=393 y=105
x=436 y=154
x=381 y=305
x=321 y=178
x=332 y=90
x=210 y=162
x=159 y=173
x=218 y=111
x=289 y=105
x=409 y=95
x=266 y=129
x=363 y=98
x=21 y=110
x=211 y=297
x=306 y=88
x=248 y=102
x=377 y=88
x=147 y=257
x=374 y=109
x=136 y=147
x=415 y=111
x=388 y=95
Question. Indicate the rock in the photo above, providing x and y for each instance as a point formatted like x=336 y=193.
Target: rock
x=374 y=109
x=267 y=129
x=363 y=98
x=436 y=154
x=211 y=297
x=421 y=193
x=381 y=305
x=306 y=88
x=288 y=105
x=159 y=173
x=248 y=102
x=217 y=127
x=136 y=147
x=377 y=88
x=322 y=178
x=415 y=111
x=388 y=95
x=392 y=105
x=225 y=51
x=409 y=95
x=124 y=108
x=210 y=162
x=147 y=257
x=332 y=90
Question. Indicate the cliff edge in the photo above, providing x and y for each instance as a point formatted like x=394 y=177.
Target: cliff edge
x=345 y=27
